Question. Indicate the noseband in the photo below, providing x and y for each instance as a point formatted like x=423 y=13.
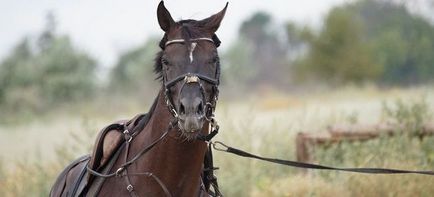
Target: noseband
x=192 y=78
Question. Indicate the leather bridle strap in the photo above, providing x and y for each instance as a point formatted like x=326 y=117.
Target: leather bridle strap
x=214 y=131
x=189 y=76
x=130 y=186
x=151 y=175
x=182 y=41
x=219 y=146
x=150 y=146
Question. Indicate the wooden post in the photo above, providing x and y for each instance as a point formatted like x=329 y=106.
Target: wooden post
x=302 y=151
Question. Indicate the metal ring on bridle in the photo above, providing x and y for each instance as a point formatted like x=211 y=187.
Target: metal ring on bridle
x=220 y=146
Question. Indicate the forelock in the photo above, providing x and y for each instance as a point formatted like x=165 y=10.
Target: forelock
x=189 y=29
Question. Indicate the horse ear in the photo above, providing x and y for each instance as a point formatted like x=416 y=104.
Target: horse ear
x=212 y=23
x=164 y=18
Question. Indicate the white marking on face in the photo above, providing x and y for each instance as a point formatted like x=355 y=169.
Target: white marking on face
x=192 y=47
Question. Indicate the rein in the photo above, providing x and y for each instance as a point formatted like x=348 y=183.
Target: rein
x=220 y=146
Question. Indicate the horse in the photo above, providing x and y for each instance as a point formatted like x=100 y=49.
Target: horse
x=166 y=151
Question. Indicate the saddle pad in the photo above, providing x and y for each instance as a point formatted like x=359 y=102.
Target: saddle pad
x=62 y=178
x=108 y=142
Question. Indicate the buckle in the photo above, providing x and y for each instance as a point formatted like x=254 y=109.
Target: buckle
x=119 y=171
x=127 y=135
x=130 y=188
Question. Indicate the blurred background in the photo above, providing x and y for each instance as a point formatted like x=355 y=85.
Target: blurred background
x=68 y=68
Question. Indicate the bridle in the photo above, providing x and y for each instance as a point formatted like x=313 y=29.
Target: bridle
x=188 y=78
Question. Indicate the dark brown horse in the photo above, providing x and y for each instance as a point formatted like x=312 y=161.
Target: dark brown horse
x=161 y=153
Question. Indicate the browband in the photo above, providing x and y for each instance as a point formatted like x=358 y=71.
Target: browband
x=191 y=76
x=183 y=41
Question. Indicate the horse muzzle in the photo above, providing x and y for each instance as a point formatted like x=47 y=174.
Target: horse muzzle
x=191 y=114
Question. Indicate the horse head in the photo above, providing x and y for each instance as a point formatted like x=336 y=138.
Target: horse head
x=189 y=67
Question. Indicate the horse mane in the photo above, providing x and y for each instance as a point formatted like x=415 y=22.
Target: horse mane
x=189 y=29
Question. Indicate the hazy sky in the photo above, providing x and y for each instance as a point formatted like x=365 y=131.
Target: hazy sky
x=105 y=28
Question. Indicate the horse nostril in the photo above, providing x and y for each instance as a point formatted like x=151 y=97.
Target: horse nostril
x=200 y=108
x=182 y=109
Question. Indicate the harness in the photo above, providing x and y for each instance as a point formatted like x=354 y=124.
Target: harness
x=208 y=177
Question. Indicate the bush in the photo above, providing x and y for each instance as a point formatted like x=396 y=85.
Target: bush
x=33 y=79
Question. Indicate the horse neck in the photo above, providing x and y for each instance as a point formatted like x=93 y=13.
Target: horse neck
x=178 y=163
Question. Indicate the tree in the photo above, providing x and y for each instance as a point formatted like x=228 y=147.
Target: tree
x=133 y=66
x=9 y=71
x=65 y=74
x=51 y=72
x=297 y=40
x=371 y=40
x=338 y=53
x=403 y=42
x=258 y=57
x=237 y=64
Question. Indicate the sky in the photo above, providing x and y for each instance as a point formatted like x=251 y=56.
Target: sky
x=106 y=28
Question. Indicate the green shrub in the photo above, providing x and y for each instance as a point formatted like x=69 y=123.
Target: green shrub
x=38 y=76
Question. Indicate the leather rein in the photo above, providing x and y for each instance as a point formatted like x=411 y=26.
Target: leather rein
x=209 y=116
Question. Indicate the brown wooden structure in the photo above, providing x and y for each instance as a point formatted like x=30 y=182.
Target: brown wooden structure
x=307 y=141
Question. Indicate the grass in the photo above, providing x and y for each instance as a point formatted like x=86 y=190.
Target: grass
x=265 y=124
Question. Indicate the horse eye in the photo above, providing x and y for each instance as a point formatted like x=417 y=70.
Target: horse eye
x=164 y=62
x=214 y=60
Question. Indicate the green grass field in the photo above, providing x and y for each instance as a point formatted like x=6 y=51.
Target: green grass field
x=34 y=150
